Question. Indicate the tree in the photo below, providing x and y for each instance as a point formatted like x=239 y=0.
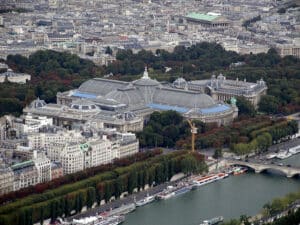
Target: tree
x=245 y=220
x=91 y=196
x=268 y=104
x=78 y=202
x=118 y=187
x=218 y=153
x=245 y=107
x=108 y=50
x=232 y=222
x=264 y=141
x=108 y=191
x=42 y=215
x=67 y=209
x=132 y=181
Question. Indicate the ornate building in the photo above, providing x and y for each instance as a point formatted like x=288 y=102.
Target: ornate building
x=222 y=89
x=126 y=105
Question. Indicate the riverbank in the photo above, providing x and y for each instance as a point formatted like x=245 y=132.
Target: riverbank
x=123 y=201
x=233 y=189
x=230 y=198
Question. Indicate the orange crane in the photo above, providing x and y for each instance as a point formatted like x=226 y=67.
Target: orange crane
x=193 y=131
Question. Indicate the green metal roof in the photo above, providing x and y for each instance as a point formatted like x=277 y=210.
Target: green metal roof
x=200 y=16
x=22 y=165
x=84 y=147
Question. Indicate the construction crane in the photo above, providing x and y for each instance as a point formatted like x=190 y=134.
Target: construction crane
x=193 y=131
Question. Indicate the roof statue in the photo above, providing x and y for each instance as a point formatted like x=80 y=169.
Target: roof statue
x=146 y=75
x=233 y=101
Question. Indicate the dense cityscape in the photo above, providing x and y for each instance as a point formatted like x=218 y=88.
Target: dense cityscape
x=108 y=106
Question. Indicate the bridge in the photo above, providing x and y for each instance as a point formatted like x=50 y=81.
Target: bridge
x=260 y=167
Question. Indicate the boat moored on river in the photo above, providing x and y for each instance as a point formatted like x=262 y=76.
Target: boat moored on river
x=239 y=170
x=148 y=199
x=199 y=181
x=172 y=191
x=98 y=220
x=284 y=155
x=212 y=221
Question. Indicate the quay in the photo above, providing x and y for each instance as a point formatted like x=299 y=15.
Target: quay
x=259 y=167
x=119 y=202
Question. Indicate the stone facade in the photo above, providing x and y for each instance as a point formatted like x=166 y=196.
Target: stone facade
x=6 y=180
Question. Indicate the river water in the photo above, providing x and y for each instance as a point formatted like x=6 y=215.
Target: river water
x=230 y=198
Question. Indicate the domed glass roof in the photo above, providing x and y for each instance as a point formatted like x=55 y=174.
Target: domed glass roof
x=179 y=80
x=38 y=103
x=182 y=98
x=128 y=96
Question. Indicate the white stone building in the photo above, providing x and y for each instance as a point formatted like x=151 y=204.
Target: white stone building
x=43 y=165
x=30 y=123
x=98 y=152
x=126 y=145
x=72 y=158
x=44 y=140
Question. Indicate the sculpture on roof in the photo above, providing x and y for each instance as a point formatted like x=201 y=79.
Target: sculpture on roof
x=146 y=75
x=233 y=101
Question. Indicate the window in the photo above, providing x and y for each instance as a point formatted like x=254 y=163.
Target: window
x=75 y=106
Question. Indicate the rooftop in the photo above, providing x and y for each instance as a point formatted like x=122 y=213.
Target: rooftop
x=22 y=165
x=83 y=95
x=168 y=107
x=201 y=16
x=216 y=109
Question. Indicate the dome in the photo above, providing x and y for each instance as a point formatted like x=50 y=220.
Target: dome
x=38 y=103
x=182 y=98
x=180 y=83
x=146 y=82
x=180 y=80
x=221 y=77
x=128 y=96
x=84 y=105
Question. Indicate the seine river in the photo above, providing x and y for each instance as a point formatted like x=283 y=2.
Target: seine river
x=230 y=198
